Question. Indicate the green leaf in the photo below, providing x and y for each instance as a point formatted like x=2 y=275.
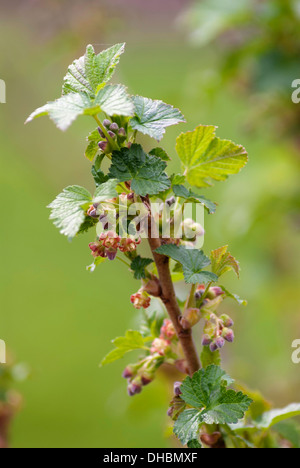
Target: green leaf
x=152 y=117
x=68 y=210
x=177 y=179
x=211 y=402
x=182 y=192
x=222 y=262
x=270 y=418
x=111 y=99
x=194 y=444
x=206 y=157
x=235 y=297
x=146 y=172
x=91 y=150
x=192 y=260
x=97 y=173
x=186 y=427
x=91 y=71
x=138 y=265
x=64 y=110
x=124 y=344
x=106 y=191
x=114 y=100
x=229 y=408
x=160 y=153
x=198 y=390
x=208 y=358
x=290 y=431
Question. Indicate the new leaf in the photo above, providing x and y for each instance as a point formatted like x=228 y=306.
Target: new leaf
x=152 y=117
x=192 y=260
x=88 y=73
x=111 y=99
x=206 y=157
x=68 y=209
x=222 y=262
x=124 y=344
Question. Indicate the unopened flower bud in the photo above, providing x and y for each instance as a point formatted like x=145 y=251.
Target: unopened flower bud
x=170 y=411
x=177 y=391
x=220 y=342
x=228 y=335
x=217 y=291
x=190 y=318
x=206 y=340
x=111 y=134
x=122 y=132
x=167 y=331
x=146 y=379
x=103 y=145
x=134 y=388
x=92 y=212
x=171 y=201
x=106 y=123
x=128 y=372
x=114 y=127
x=227 y=321
x=213 y=346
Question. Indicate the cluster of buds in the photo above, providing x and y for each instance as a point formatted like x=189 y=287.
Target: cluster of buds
x=141 y=374
x=110 y=242
x=114 y=132
x=163 y=345
x=141 y=299
x=217 y=331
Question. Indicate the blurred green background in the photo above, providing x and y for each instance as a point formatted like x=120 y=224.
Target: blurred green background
x=59 y=318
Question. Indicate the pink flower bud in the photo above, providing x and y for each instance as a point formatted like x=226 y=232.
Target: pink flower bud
x=167 y=331
x=177 y=391
x=103 y=145
x=227 y=321
x=114 y=127
x=106 y=123
x=122 y=132
x=213 y=346
x=228 y=335
x=134 y=388
x=220 y=342
x=128 y=372
x=206 y=340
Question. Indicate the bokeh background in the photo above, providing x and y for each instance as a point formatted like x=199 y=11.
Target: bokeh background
x=57 y=317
